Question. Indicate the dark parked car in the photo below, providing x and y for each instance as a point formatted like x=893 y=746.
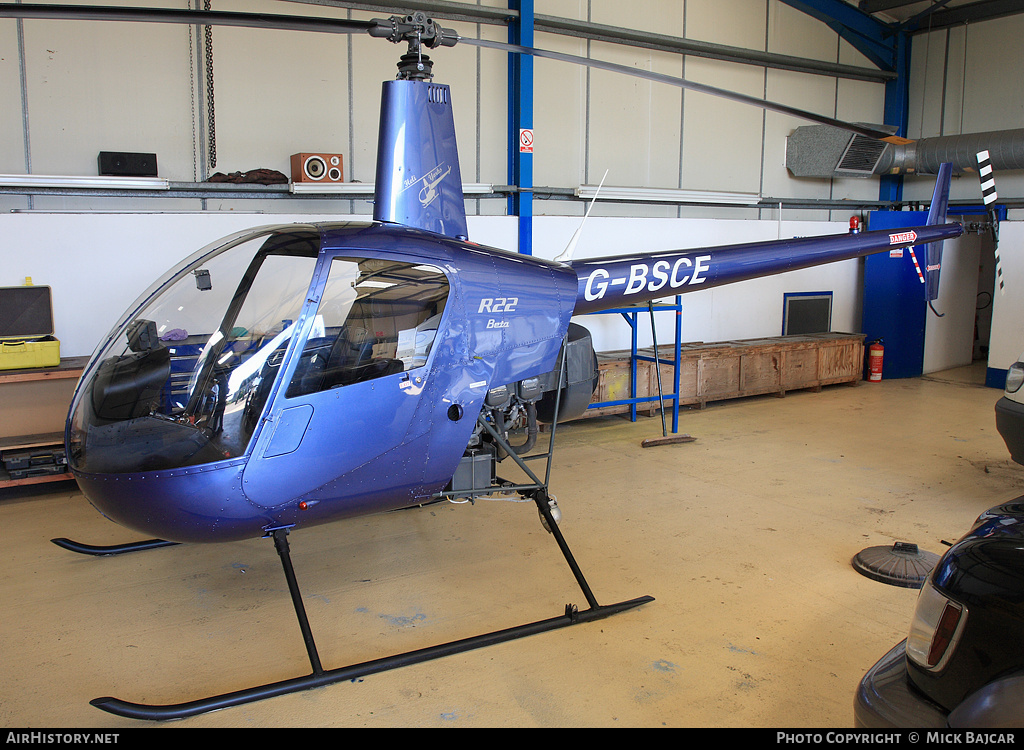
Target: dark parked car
x=1010 y=411
x=962 y=664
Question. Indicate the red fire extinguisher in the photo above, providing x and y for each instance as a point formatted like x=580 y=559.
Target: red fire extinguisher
x=876 y=353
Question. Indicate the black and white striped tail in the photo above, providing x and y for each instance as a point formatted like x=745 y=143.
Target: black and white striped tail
x=989 y=196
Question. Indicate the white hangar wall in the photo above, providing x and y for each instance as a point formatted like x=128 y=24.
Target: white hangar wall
x=965 y=80
x=653 y=135
x=97 y=264
x=139 y=87
x=1007 y=341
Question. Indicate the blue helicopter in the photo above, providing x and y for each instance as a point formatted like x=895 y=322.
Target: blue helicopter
x=294 y=375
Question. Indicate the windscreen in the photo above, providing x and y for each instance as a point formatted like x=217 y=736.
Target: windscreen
x=182 y=382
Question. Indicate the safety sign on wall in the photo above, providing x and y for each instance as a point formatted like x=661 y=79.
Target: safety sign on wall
x=526 y=141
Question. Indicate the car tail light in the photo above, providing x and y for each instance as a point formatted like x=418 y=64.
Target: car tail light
x=1014 y=377
x=935 y=629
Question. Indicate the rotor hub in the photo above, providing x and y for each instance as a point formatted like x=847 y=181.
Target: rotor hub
x=418 y=31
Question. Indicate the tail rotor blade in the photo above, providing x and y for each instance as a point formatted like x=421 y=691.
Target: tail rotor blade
x=917 y=266
x=990 y=196
x=988 y=180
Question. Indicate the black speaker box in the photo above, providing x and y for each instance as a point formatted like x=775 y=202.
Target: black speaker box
x=124 y=164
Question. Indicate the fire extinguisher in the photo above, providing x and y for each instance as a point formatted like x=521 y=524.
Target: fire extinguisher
x=876 y=353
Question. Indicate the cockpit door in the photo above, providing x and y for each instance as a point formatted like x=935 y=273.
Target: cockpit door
x=362 y=386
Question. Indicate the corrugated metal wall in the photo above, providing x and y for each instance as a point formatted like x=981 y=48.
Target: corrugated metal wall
x=76 y=88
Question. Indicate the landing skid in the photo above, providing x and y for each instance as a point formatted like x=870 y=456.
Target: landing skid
x=115 y=549
x=536 y=489
x=321 y=677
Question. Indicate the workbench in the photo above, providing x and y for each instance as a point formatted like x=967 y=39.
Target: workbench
x=34 y=405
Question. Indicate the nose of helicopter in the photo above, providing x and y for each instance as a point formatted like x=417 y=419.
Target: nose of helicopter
x=199 y=504
x=161 y=421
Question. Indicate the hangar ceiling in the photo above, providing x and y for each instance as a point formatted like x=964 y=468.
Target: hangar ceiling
x=937 y=14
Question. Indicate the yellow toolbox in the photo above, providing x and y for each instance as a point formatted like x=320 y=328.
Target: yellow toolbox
x=26 y=328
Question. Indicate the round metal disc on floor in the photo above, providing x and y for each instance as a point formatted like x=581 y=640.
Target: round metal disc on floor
x=902 y=564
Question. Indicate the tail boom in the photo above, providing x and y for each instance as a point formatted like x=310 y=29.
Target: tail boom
x=606 y=283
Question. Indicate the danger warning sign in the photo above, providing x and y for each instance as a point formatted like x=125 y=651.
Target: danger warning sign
x=901 y=237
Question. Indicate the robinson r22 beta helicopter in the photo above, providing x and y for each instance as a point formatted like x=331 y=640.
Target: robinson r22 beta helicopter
x=295 y=375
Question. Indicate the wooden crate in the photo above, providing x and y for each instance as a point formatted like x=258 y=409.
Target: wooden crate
x=613 y=382
x=733 y=369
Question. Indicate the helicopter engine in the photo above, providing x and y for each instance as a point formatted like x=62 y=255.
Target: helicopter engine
x=520 y=408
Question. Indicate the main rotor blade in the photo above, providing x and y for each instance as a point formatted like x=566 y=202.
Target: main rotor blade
x=199 y=17
x=345 y=26
x=880 y=135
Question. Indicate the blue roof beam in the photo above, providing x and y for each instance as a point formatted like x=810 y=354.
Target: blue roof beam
x=872 y=38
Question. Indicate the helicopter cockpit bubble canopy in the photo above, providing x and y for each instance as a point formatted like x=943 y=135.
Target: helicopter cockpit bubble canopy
x=171 y=386
x=300 y=365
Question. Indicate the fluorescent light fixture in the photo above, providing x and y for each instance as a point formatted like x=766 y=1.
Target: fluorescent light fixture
x=75 y=181
x=356 y=189
x=334 y=188
x=665 y=195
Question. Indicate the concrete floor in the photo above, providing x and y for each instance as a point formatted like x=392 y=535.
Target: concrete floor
x=743 y=537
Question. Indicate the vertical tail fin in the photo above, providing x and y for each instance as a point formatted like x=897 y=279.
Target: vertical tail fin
x=937 y=215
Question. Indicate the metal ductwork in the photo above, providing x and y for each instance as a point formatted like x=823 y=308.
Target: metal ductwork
x=825 y=151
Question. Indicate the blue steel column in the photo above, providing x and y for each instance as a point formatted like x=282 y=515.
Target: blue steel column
x=897 y=102
x=520 y=117
x=886 y=46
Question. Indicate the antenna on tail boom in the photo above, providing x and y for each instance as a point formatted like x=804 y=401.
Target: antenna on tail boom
x=566 y=255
